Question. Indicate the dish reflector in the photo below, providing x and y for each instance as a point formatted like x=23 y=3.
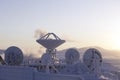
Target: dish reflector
x=13 y=56
x=50 y=42
x=92 y=59
x=72 y=56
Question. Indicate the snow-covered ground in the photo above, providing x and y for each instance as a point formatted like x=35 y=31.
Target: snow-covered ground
x=111 y=60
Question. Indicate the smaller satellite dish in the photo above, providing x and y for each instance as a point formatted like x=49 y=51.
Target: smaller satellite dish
x=92 y=58
x=13 y=56
x=46 y=58
x=72 y=56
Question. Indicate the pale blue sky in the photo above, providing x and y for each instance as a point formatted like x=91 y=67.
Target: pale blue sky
x=85 y=22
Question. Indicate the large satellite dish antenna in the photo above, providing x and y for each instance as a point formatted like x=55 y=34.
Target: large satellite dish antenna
x=72 y=56
x=92 y=58
x=50 y=41
x=13 y=56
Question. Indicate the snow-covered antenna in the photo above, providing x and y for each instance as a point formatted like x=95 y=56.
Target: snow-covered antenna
x=13 y=56
x=93 y=59
x=72 y=56
x=50 y=41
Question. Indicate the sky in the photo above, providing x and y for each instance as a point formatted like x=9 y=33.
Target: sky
x=81 y=23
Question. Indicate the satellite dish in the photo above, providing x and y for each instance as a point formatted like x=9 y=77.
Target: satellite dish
x=13 y=56
x=46 y=58
x=92 y=58
x=72 y=56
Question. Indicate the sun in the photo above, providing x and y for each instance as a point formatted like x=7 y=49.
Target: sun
x=116 y=41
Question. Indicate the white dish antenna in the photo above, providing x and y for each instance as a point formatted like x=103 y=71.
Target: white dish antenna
x=72 y=56
x=13 y=56
x=92 y=59
x=50 y=41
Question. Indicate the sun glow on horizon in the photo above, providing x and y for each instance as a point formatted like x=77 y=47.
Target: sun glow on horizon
x=116 y=41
